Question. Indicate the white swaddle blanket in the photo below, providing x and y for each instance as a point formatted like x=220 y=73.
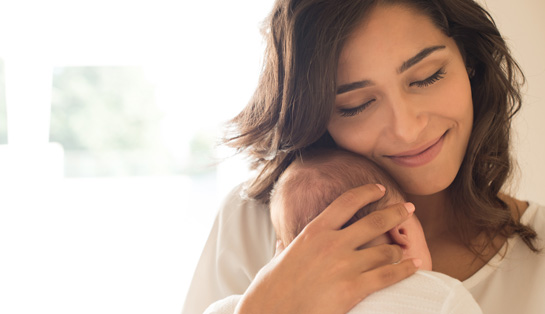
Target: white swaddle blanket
x=425 y=292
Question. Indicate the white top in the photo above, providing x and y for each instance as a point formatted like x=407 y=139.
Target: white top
x=242 y=241
x=425 y=292
x=516 y=283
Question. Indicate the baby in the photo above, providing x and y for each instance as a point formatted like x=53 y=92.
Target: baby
x=317 y=178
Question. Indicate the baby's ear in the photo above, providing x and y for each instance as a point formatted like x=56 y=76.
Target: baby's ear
x=399 y=236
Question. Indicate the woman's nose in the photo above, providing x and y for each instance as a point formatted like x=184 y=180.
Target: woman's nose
x=408 y=118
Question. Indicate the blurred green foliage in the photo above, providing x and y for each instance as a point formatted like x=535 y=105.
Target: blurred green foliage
x=103 y=109
x=109 y=125
x=3 y=110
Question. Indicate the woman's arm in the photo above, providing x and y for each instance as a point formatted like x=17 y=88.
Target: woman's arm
x=322 y=271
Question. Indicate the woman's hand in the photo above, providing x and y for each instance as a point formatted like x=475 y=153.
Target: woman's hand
x=322 y=271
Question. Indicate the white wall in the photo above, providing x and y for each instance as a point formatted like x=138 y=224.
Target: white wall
x=523 y=25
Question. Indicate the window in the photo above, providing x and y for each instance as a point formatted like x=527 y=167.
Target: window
x=109 y=122
x=3 y=113
x=118 y=177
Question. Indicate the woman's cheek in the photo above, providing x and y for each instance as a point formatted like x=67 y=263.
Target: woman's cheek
x=358 y=134
x=352 y=136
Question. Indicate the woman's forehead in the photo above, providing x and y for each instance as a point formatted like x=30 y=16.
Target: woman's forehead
x=395 y=32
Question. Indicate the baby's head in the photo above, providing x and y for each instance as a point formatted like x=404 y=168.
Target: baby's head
x=318 y=177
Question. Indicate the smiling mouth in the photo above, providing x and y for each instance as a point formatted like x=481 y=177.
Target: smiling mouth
x=419 y=156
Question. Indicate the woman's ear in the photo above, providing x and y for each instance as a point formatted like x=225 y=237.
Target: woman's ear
x=399 y=236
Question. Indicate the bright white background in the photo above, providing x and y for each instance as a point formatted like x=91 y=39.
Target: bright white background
x=121 y=244
x=129 y=245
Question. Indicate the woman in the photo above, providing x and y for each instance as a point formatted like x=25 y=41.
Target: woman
x=427 y=90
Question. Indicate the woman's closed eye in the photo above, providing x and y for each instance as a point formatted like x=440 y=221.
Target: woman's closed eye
x=349 y=112
x=430 y=80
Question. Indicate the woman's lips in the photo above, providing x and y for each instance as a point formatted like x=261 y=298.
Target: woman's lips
x=420 y=156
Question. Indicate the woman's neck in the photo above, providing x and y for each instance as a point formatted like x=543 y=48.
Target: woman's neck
x=448 y=253
x=431 y=210
x=450 y=256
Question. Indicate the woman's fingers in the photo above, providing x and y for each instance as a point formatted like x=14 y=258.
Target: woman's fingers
x=323 y=261
x=346 y=205
x=382 y=277
x=377 y=256
x=377 y=223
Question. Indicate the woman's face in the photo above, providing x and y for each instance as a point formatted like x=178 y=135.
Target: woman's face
x=404 y=99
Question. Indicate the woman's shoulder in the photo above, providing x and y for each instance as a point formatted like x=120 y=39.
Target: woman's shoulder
x=244 y=225
x=245 y=233
x=241 y=242
x=534 y=216
x=513 y=267
x=529 y=213
x=240 y=208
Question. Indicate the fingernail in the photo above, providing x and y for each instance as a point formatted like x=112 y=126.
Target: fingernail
x=417 y=262
x=410 y=207
x=381 y=187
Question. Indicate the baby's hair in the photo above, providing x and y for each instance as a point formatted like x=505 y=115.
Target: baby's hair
x=314 y=180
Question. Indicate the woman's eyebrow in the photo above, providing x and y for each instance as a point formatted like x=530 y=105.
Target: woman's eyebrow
x=345 y=88
x=418 y=57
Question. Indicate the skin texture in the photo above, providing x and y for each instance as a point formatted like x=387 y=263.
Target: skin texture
x=409 y=234
x=410 y=237
x=347 y=275
x=403 y=115
x=428 y=104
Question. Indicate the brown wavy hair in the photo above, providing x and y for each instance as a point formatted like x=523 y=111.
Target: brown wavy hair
x=292 y=104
